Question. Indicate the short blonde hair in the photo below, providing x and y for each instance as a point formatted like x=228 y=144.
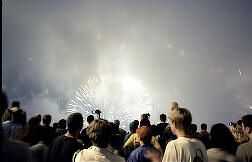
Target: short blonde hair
x=181 y=117
x=174 y=105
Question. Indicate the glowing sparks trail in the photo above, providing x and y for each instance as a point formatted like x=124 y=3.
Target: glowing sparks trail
x=124 y=99
x=250 y=106
x=169 y=45
x=240 y=73
x=182 y=53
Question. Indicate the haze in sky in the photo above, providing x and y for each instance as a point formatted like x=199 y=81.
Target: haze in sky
x=197 y=53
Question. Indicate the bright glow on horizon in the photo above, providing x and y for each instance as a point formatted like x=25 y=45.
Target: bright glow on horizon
x=116 y=98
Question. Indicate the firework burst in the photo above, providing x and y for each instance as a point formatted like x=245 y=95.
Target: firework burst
x=124 y=99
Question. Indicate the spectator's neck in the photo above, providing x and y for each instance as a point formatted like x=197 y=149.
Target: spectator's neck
x=181 y=133
x=72 y=134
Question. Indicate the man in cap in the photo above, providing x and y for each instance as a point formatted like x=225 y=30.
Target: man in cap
x=12 y=127
x=11 y=150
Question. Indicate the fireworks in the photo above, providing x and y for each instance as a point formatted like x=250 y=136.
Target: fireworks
x=123 y=98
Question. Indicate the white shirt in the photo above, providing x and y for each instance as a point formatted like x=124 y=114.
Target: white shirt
x=96 y=154
x=218 y=154
x=185 y=150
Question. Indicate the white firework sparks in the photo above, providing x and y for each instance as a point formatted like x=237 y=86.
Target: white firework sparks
x=169 y=45
x=123 y=99
x=182 y=53
x=240 y=73
x=250 y=106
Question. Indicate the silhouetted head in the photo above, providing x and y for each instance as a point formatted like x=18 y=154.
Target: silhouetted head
x=162 y=117
x=221 y=137
x=145 y=122
x=117 y=122
x=62 y=124
x=203 y=126
x=47 y=119
x=15 y=104
x=193 y=128
x=133 y=126
x=4 y=104
x=90 y=118
x=74 y=122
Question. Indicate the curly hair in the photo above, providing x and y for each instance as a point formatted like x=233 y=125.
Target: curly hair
x=99 y=132
x=239 y=135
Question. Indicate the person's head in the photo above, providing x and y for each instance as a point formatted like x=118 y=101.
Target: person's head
x=55 y=126
x=145 y=134
x=38 y=117
x=136 y=122
x=180 y=119
x=16 y=115
x=154 y=130
x=15 y=104
x=162 y=118
x=133 y=126
x=145 y=116
x=47 y=119
x=117 y=122
x=174 y=105
x=33 y=122
x=99 y=132
x=247 y=124
x=62 y=124
x=239 y=122
x=145 y=122
x=114 y=128
x=193 y=128
x=74 y=122
x=221 y=137
x=4 y=104
x=90 y=118
x=203 y=126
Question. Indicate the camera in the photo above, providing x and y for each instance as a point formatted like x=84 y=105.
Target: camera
x=145 y=116
x=97 y=112
x=232 y=124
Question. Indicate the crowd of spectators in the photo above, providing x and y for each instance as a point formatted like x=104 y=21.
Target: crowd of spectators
x=177 y=140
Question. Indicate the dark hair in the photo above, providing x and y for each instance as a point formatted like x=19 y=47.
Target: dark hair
x=114 y=128
x=193 y=128
x=90 y=118
x=74 y=122
x=221 y=137
x=203 y=126
x=239 y=122
x=162 y=117
x=62 y=124
x=15 y=104
x=47 y=119
x=247 y=120
x=55 y=126
x=145 y=122
x=99 y=132
x=38 y=117
x=154 y=130
x=146 y=140
x=4 y=101
x=117 y=122
x=133 y=126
